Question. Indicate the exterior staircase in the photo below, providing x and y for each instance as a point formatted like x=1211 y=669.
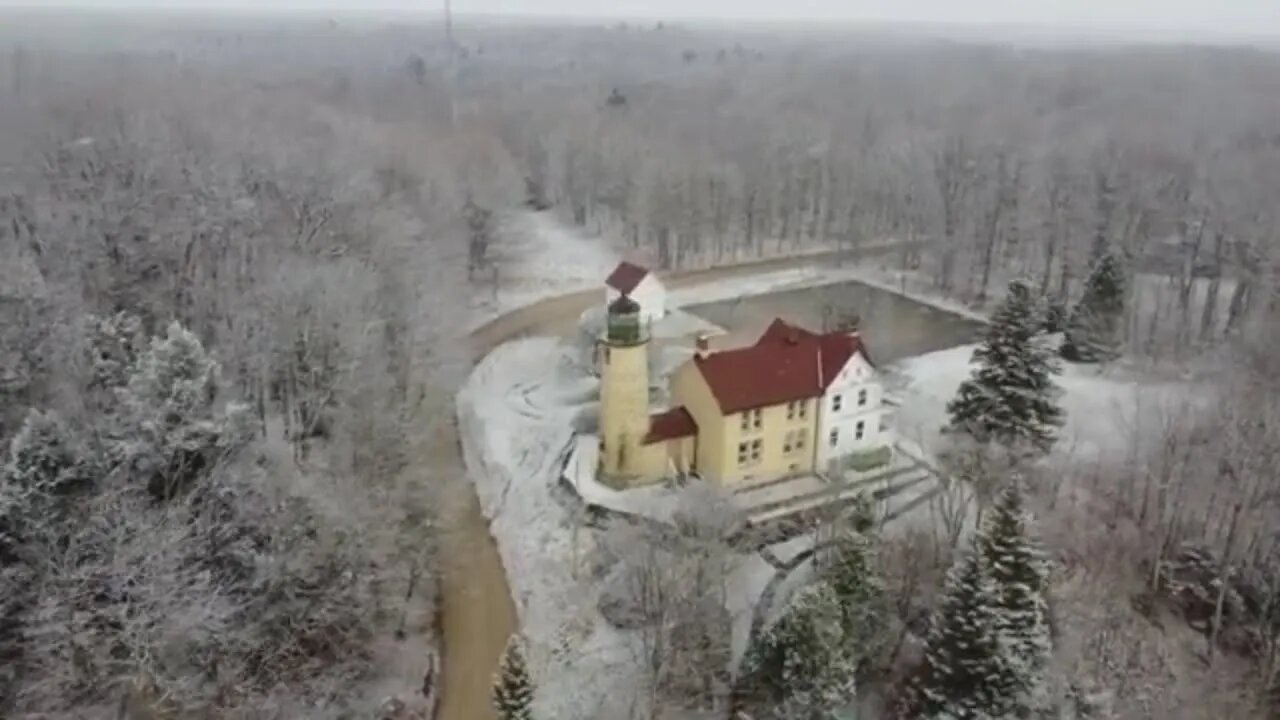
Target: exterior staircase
x=903 y=486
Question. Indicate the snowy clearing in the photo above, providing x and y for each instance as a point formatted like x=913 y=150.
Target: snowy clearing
x=1110 y=411
x=539 y=257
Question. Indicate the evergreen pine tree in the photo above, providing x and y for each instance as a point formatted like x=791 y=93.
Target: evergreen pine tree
x=175 y=379
x=861 y=514
x=1010 y=397
x=803 y=659
x=1020 y=574
x=513 y=688
x=43 y=465
x=115 y=342
x=1095 y=330
x=42 y=456
x=967 y=674
x=1055 y=316
x=173 y=428
x=859 y=591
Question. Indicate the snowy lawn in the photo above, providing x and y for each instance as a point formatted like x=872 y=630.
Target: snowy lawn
x=1109 y=411
x=657 y=501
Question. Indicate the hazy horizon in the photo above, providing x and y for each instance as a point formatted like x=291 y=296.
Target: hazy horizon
x=1189 y=19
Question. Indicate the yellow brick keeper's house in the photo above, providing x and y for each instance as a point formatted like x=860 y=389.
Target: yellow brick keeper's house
x=784 y=406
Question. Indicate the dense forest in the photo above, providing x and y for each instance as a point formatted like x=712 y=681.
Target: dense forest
x=234 y=257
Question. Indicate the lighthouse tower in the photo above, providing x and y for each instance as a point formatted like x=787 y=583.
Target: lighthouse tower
x=624 y=393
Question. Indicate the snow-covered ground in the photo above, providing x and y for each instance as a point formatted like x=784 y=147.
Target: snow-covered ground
x=748 y=581
x=1109 y=410
x=540 y=257
x=653 y=501
x=516 y=415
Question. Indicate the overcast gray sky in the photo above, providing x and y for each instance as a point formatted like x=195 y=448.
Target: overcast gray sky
x=1213 y=17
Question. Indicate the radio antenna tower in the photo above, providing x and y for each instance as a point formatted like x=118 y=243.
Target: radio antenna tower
x=448 y=26
x=451 y=49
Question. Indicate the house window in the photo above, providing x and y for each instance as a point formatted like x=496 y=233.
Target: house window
x=857 y=430
x=804 y=408
x=746 y=420
x=755 y=418
x=786 y=442
x=791 y=410
x=836 y=402
x=742 y=453
x=755 y=450
x=834 y=438
x=794 y=442
x=862 y=397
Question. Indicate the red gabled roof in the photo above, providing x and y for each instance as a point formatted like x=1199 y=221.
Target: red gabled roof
x=787 y=363
x=669 y=425
x=781 y=331
x=832 y=343
x=626 y=277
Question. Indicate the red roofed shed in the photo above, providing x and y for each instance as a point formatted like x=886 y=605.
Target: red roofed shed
x=626 y=277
